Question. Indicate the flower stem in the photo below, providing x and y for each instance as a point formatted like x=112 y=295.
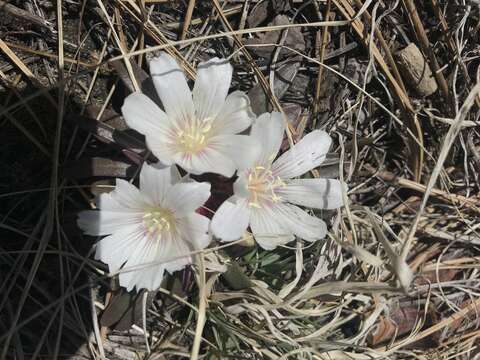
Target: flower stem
x=202 y=307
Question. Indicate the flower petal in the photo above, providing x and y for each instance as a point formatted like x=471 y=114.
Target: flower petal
x=231 y=219
x=268 y=232
x=139 y=271
x=144 y=116
x=208 y=160
x=162 y=149
x=313 y=193
x=128 y=196
x=185 y=198
x=211 y=87
x=172 y=88
x=175 y=175
x=97 y=223
x=115 y=249
x=194 y=229
x=155 y=181
x=240 y=186
x=151 y=277
x=303 y=225
x=243 y=150
x=268 y=130
x=235 y=115
x=108 y=202
x=306 y=155
x=120 y=208
x=177 y=249
x=170 y=253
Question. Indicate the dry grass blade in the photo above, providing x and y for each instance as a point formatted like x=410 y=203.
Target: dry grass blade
x=188 y=19
x=120 y=44
x=23 y=15
x=397 y=273
x=447 y=144
x=425 y=44
x=412 y=121
x=400 y=267
x=321 y=58
x=202 y=307
x=52 y=204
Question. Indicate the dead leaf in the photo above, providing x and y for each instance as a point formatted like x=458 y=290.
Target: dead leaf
x=401 y=321
x=126 y=139
x=430 y=277
x=99 y=167
x=284 y=76
x=236 y=278
x=264 y=9
x=143 y=78
x=125 y=309
x=293 y=39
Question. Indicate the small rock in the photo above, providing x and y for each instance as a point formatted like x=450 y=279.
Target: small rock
x=416 y=70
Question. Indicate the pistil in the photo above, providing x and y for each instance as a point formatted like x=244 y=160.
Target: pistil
x=157 y=221
x=193 y=137
x=263 y=185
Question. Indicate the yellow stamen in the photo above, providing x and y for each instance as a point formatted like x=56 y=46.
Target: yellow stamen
x=194 y=136
x=157 y=220
x=263 y=186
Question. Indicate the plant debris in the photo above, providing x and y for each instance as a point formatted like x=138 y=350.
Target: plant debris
x=397 y=275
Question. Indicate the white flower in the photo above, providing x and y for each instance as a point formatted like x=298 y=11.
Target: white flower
x=156 y=223
x=264 y=195
x=197 y=130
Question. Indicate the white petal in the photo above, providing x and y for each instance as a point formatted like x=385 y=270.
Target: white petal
x=303 y=225
x=313 y=193
x=172 y=88
x=170 y=253
x=161 y=148
x=144 y=116
x=102 y=222
x=155 y=182
x=268 y=130
x=175 y=175
x=268 y=232
x=194 y=229
x=128 y=196
x=185 y=198
x=242 y=149
x=235 y=115
x=179 y=250
x=122 y=207
x=211 y=87
x=208 y=160
x=231 y=219
x=178 y=264
x=115 y=249
x=306 y=155
x=151 y=277
x=108 y=202
x=240 y=186
x=144 y=275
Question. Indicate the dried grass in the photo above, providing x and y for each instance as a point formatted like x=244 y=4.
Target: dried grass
x=397 y=276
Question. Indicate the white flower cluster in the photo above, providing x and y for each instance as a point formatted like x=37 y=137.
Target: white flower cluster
x=202 y=131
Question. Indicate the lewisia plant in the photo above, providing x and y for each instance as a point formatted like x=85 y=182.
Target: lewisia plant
x=266 y=195
x=196 y=130
x=150 y=230
x=156 y=227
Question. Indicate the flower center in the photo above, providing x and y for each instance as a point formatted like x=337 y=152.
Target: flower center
x=157 y=220
x=193 y=137
x=263 y=186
